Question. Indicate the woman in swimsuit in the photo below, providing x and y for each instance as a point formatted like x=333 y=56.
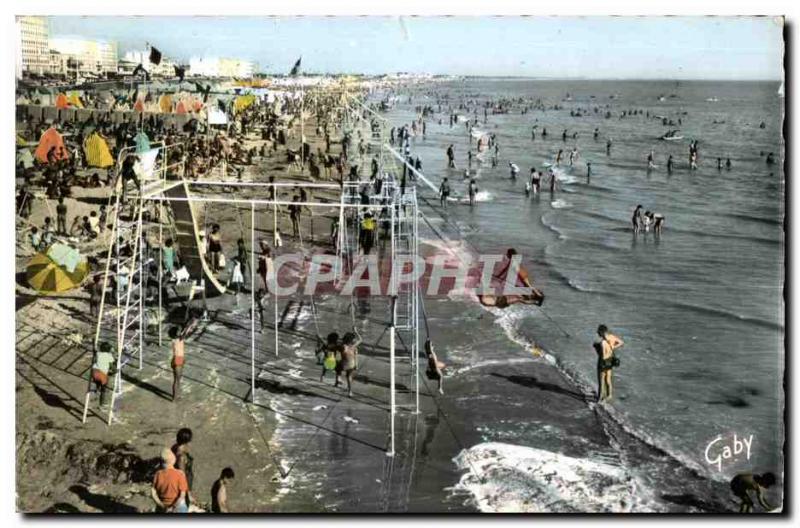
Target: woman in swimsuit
x=215 y=247
x=606 y=361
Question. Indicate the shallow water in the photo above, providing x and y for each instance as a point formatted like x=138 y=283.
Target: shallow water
x=700 y=308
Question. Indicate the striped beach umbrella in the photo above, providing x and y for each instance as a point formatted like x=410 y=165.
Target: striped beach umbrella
x=46 y=276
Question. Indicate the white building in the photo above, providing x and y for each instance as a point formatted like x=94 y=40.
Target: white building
x=221 y=67
x=165 y=68
x=33 y=54
x=86 y=56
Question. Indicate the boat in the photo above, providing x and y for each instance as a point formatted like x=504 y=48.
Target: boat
x=671 y=137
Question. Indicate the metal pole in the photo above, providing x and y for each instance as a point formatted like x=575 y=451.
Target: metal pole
x=253 y=303
x=160 y=263
x=391 y=377
x=393 y=316
x=416 y=299
x=274 y=271
x=142 y=322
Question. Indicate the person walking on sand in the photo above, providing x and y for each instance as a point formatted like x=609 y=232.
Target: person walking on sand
x=219 y=491
x=330 y=354
x=101 y=367
x=444 y=193
x=434 y=370
x=61 y=216
x=606 y=361
x=215 y=247
x=179 y=355
x=743 y=483
x=451 y=157
x=169 y=487
x=184 y=459
x=349 y=362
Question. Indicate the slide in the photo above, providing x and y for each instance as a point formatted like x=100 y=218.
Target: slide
x=189 y=240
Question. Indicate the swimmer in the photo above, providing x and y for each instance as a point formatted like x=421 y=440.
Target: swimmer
x=606 y=361
x=514 y=170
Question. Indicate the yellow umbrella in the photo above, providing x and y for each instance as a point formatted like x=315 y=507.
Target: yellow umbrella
x=45 y=276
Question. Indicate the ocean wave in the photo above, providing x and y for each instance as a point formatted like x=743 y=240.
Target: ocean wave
x=560 y=204
x=751 y=218
x=510 y=322
x=708 y=310
x=507 y=478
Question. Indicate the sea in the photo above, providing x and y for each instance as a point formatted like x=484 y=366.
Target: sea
x=700 y=308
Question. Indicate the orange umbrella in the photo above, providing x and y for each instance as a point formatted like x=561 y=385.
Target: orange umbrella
x=138 y=105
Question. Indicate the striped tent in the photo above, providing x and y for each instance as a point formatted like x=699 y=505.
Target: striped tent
x=62 y=101
x=75 y=100
x=97 y=152
x=46 y=276
x=165 y=103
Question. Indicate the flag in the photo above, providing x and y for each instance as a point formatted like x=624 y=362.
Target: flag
x=180 y=72
x=155 y=56
x=296 y=68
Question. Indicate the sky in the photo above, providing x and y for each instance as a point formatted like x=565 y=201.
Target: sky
x=731 y=48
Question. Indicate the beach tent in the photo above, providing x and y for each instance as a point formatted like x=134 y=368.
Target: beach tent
x=97 y=153
x=25 y=157
x=60 y=269
x=142 y=142
x=181 y=108
x=243 y=101
x=75 y=100
x=165 y=103
x=51 y=138
x=62 y=101
x=138 y=105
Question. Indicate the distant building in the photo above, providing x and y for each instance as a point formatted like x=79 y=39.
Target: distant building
x=131 y=59
x=86 y=56
x=221 y=67
x=33 y=55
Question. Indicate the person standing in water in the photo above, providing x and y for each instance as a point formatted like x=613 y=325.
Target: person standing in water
x=608 y=147
x=588 y=171
x=536 y=179
x=669 y=164
x=743 y=483
x=473 y=191
x=637 y=219
x=552 y=174
x=451 y=156
x=514 y=170
x=606 y=361
x=444 y=193
x=558 y=156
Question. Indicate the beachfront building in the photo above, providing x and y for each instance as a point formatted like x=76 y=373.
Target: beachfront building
x=131 y=59
x=84 y=56
x=33 y=47
x=221 y=67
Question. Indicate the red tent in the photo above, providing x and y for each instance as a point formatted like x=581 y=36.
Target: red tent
x=138 y=105
x=62 y=101
x=181 y=108
x=51 y=138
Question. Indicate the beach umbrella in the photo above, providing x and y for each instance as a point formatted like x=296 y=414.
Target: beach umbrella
x=25 y=157
x=46 y=276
